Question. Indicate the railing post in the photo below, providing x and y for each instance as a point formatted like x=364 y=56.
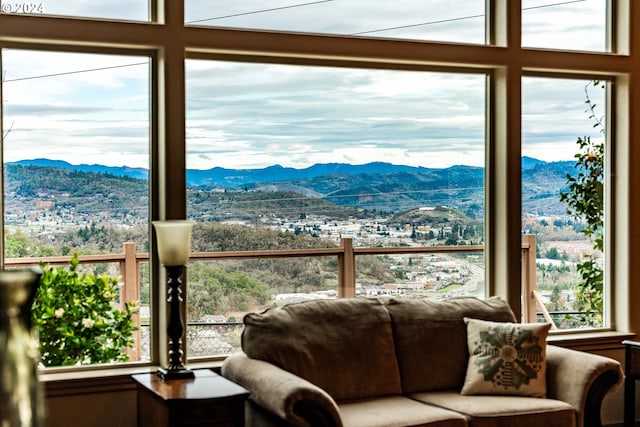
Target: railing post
x=529 y=279
x=347 y=270
x=130 y=272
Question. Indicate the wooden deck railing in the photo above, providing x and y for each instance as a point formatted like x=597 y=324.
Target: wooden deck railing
x=129 y=261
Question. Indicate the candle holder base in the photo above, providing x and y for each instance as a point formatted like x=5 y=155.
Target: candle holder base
x=174 y=374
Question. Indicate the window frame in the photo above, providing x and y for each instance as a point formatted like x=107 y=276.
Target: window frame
x=168 y=41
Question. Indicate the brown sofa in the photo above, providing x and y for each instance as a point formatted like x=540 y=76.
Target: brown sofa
x=386 y=362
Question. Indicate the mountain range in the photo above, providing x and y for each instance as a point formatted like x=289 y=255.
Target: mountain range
x=231 y=178
x=378 y=185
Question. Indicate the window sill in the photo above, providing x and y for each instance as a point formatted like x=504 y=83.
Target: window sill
x=591 y=341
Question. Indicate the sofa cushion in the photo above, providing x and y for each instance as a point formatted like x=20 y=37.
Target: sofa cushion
x=506 y=358
x=503 y=411
x=397 y=411
x=431 y=338
x=343 y=346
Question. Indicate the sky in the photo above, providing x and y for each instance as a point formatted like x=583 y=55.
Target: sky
x=94 y=108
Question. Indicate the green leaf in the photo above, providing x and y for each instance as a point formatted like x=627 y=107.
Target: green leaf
x=64 y=339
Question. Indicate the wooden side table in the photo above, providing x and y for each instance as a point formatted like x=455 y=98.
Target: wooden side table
x=208 y=400
x=631 y=374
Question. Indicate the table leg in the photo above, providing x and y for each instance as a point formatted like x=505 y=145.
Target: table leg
x=629 y=388
x=629 y=402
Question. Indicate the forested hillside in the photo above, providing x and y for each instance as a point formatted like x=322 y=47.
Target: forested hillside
x=250 y=206
x=218 y=193
x=72 y=196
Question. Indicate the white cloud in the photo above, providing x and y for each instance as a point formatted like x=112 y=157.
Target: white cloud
x=565 y=24
x=94 y=108
x=450 y=20
x=76 y=107
x=334 y=113
x=554 y=116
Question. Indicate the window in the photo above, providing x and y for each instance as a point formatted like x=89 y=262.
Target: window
x=264 y=84
x=457 y=21
x=76 y=163
x=288 y=156
x=570 y=25
x=564 y=120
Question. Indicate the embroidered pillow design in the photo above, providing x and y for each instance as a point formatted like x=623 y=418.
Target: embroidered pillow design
x=506 y=358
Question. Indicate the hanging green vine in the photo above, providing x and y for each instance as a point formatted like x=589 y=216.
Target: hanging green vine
x=585 y=202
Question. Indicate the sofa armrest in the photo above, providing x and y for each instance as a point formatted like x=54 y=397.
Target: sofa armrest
x=582 y=380
x=291 y=398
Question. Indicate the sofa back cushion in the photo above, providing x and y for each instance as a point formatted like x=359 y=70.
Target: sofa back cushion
x=344 y=346
x=431 y=338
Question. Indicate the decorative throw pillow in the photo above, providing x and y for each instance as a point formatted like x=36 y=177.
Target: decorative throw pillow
x=506 y=358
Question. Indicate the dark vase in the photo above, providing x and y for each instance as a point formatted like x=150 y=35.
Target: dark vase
x=21 y=402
